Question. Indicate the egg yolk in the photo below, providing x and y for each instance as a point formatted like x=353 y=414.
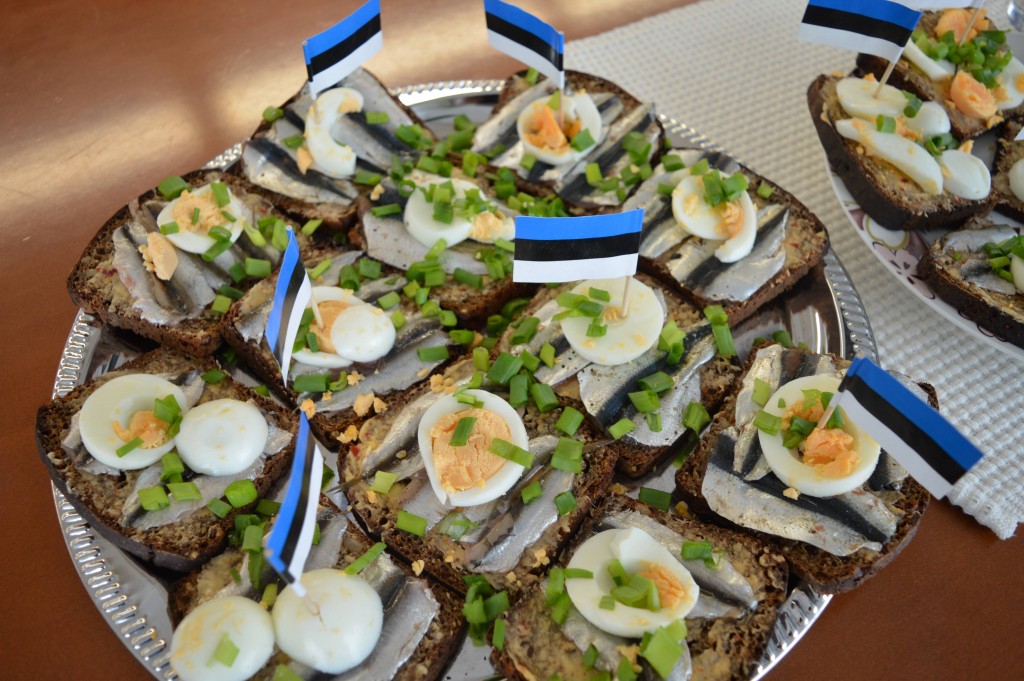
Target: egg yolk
x=543 y=130
x=671 y=592
x=329 y=311
x=470 y=465
x=487 y=226
x=145 y=425
x=830 y=451
x=812 y=412
x=209 y=212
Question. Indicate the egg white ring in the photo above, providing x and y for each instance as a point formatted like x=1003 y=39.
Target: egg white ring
x=197 y=636
x=580 y=106
x=786 y=463
x=343 y=634
x=626 y=339
x=419 y=214
x=322 y=359
x=506 y=476
x=331 y=157
x=118 y=399
x=1008 y=79
x=198 y=243
x=222 y=437
x=363 y=333
x=632 y=547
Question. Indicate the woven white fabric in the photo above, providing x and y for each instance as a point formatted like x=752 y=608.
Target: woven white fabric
x=734 y=71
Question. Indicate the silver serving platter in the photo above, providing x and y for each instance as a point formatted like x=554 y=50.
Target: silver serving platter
x=827 y=315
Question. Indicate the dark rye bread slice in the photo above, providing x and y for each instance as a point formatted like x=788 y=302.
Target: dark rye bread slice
x=576 y=81
x=95 y=284
x=336 y=217
x=720 y=649
x=1008 y=152
x=909 y=77
x=257 y=355
x=441 y=556
x=805 y=243
x=427 y=662
x=1000 y=313
x=826 y=572
x=883 y=192
x=634 y=459
x=180 y=545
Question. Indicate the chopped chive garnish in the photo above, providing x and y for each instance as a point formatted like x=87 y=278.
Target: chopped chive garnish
x=504 y=368
x=783 y=338
x=464 y=277
x=153 y=498
x=267 y=507
x=462 y=431
x=695 y=417
x=225 y=653
x=241 y=493
x=593 y=174
x=661 y=652
x=377 y=117
x=482 y=359
x=272 y=113
x=764 y=190
x=382 y=482
x=531 y=492
x=398 y=319
x=252 y=539
x=435 y=353
x=767 y=423
x=658 y=382
x=531 y=76
x=565 y=502
x=498 y=635
x=368 y=269
x=220 y=193
x=257 y=268
x=389 y=300
x=596 y=329
x=543 y=396
x=885 y=123
x=530 y=361
x=672 y=162
x=219 y=508
x=385 y=210
x=172 y=187
x=511 y=452
x=645 y=401
x=569 y=421
x=171 y=466
x=599 y=294
x=620 y=428
x=311 y=383
x=214 y=376
x=129 y=446
x=411 y=523
x=547 y=354
x=528 y=161
x=762 y=391
x=293 y=141
x=656 y=498
x=607 y=603
x=169 y=228
x=518 y=390
x=461 y=336
x=364 y=561
x=716 y=314
x=568 y=455
x=582 y=140
x=723 y=339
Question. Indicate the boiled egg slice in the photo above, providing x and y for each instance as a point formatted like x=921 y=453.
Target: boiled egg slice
x=936 y=69
x=331 y=156
x=469 y=475
x=247 y=627
x=857 y=97
x=1010 y=93
x=931 y=119
x=913 y=160
x=341 y=633
x=734 y=223
x=362 y=333
x=331 y=301
x=639 y=553
x=788 y=465
x=419 y=219
x=128 y=401
x=222 y=437
x=196 y=212
x=538 y=128
x=966 y=175
x=629 y=333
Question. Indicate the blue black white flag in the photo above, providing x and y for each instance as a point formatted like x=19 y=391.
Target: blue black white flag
x=934 y=452
x=341 y=49
x=878 y=27
x=519 y=34
x=942 y=4
x=570 y=249
x=291 y=537
x=291 y=296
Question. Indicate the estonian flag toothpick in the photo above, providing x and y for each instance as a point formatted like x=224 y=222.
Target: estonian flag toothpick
x=570 y=249
x=291 y=296
x=934 y=452
x=519 y=34
x=291 y=537
x=341 y=49
x=878 y=27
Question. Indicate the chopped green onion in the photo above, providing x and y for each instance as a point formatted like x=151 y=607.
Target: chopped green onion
x=215 y=250
x=311 y=383
x=568 y=455
x=767 y=423
x=185 y=491
x=596 y=329
x=657 y=382
x=225 y=653
x=385 y=210
x=530 y=361
x=436 y=353
x=569 y=421
x=267 y=507
x=547 y=354
x=661 y=651
x=656 y=498
x=504 y=368
x=518 y=390
x=461 y=336
x=367 y=558
x=565 y=502
x=464 y=277
x=672 y=162
x=218 y=507
x=590 y=656
x=389 y=300
x=695 y=417
x=582 y=140
x=762 y=391
x=716 y=314
x=129 y=446
x=498 y=635
x=723 y=339
x=531 y=492
x=293 y=141
x=171 y=466
x=169 y=228
x=593 y=174
x=311 y=226
x=543 y=397
x=257 y=268
x=220 y=194
x=482 y=359
x=411 y=523
x=241 y=493
x=462 y=431
x=764 y=190
x=525 y=331
x=885 y=123
x=382 y=482
x=153 y=498
x=645 y=401
x=531 y=76
x=620 y=428
x=272 y=113
x=398 y=319
x=377 y=117
x=528 y=161
x=172 y=187
x=606 y=603
x=511 y=452
x=252 y=539
x=783 y=338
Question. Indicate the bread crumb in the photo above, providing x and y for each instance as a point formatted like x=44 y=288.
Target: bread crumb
x=308 y=408
x=350 y=434
x=377 y=192
x=422 y=372
x=541 y=556
x=870 y=78
x=303 y=159
x=401 y=454
x=618 y=488
x=327 y=395
x=354 y=377
x=993 y=121
x=511 y=578
x=371 y=496
x=791 y=493
x=630 y=653
x=363 y=403
x=379 y=407
x=449 y=557
x=417 y=565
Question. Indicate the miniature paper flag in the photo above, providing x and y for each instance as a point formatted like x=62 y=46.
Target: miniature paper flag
x=341 y=49
x=934 y=452
x=878 y=27
x=292 y=534
x=519 y=34
x=290 y=299
x=570 y=249
x=942 y=4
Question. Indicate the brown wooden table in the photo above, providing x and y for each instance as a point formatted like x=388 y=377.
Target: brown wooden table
x=101 y=100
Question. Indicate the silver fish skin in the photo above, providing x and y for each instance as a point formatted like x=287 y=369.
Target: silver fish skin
x=271 y=165
x=150 y=298
x=501 y=128
x=604 y=390
x=973 y=263
x=724 y=592
x=567 y=361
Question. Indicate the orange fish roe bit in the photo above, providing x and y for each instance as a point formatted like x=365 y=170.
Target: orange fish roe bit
x=671 y=592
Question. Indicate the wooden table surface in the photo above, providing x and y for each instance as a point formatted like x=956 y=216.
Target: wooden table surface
x=103 y=99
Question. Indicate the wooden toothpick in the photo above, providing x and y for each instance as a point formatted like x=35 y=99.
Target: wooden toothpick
x=970 y=22
x=885 y=77
x=625 y=298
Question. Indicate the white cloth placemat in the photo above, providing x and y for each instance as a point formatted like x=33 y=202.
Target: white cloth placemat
x=734 y=71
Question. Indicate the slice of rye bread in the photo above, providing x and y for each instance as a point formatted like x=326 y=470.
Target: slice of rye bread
x=575 y=81
x=180 y=545
x=1008 y=152
x=1000 y=313
x=336 y=217
x=716 y=376
x=824 y=571
x=426 y=662
x=257 y=356
x=443 y=557
x=883 y=192
x=805 y=243
x=95 y=284
x=906 y=76
x=723 y=648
